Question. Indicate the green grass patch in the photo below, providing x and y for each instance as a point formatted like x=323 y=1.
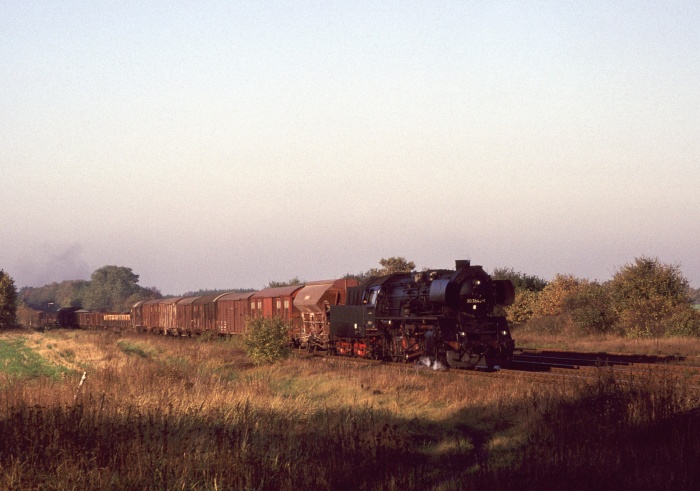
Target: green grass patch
x=138 y=349
x=19 y=361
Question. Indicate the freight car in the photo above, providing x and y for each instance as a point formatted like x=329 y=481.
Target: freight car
x=36 y=319
x=304 y=307
x=75 y=317
x=446 y=315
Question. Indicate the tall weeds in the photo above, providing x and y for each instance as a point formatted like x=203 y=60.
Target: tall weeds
x=202 y=416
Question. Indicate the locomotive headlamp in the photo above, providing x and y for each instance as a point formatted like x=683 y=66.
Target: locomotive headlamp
x=504 y=333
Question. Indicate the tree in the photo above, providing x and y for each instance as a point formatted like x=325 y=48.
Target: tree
x=292 y=282
x=8 y=301
x=393 y=265
x=646 y=294
x=521 y=281
x=389 y=266
x=71 y=293
x=112 y=288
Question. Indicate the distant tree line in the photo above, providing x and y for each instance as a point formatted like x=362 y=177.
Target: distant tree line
x=110 y=289
x=646 y=298
x=392 y=265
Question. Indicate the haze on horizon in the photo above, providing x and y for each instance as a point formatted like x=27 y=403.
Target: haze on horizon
x=228 y=144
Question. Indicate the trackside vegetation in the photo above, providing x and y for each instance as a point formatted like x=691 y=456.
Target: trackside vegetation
x=158 y=412
x=266 y=340
x=644 y=299
x=8 y=301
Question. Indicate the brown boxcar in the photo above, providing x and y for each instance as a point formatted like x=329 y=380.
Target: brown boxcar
x=150 y=315
x=137 y=315
x=204 y=314
x=232 y=310
x=88 y=319
x=167 y=315
x=116 y=321
x=273 y=302
x=185 y=315
x=36 y=319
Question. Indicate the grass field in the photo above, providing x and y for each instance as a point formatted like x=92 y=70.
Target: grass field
x=165 y=413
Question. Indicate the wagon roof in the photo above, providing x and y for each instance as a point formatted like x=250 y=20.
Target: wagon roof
x=186 y=300
x=282 y=291
x=229 y=297
x=206 y=298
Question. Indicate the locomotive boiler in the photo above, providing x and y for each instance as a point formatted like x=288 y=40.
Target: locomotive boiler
x=447 y=315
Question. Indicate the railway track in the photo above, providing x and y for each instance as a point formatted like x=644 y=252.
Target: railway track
x=556 y=367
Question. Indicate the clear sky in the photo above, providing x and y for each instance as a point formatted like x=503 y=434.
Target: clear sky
x=223 y=144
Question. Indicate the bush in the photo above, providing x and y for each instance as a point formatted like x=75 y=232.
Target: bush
x=521 y=310
x=684 y=322
x=647 y=295
x=590 y=310
x=266 y=340
x=550 y=301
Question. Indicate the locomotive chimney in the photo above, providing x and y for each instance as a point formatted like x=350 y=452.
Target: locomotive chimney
x=462 y=263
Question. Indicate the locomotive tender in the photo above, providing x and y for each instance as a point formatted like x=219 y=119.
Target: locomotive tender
x=444 y=314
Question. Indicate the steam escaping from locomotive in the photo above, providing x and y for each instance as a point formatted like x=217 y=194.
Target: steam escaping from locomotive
x=445 y=315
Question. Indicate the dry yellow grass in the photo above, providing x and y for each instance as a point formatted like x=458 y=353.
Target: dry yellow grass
x=157 y=412
x=686 y=347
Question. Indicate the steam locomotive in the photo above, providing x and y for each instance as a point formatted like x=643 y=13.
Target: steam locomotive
x=443 y=314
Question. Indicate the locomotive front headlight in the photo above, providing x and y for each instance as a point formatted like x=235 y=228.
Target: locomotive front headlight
x=504 y=333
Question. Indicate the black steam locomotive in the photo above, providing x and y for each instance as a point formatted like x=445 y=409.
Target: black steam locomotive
x=445 y=315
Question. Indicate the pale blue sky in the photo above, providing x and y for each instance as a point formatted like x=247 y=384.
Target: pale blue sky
x=220 y=144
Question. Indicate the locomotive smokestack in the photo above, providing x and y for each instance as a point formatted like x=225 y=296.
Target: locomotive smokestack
x=462 y=263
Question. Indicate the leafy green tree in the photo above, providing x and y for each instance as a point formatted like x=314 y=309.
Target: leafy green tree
x=8 y=301
x=266 y=340
x=112 y=288
x=646 y=294
x=393 y=265
x=71 y=293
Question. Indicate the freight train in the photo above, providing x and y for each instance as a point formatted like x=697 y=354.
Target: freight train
x=445 y=315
